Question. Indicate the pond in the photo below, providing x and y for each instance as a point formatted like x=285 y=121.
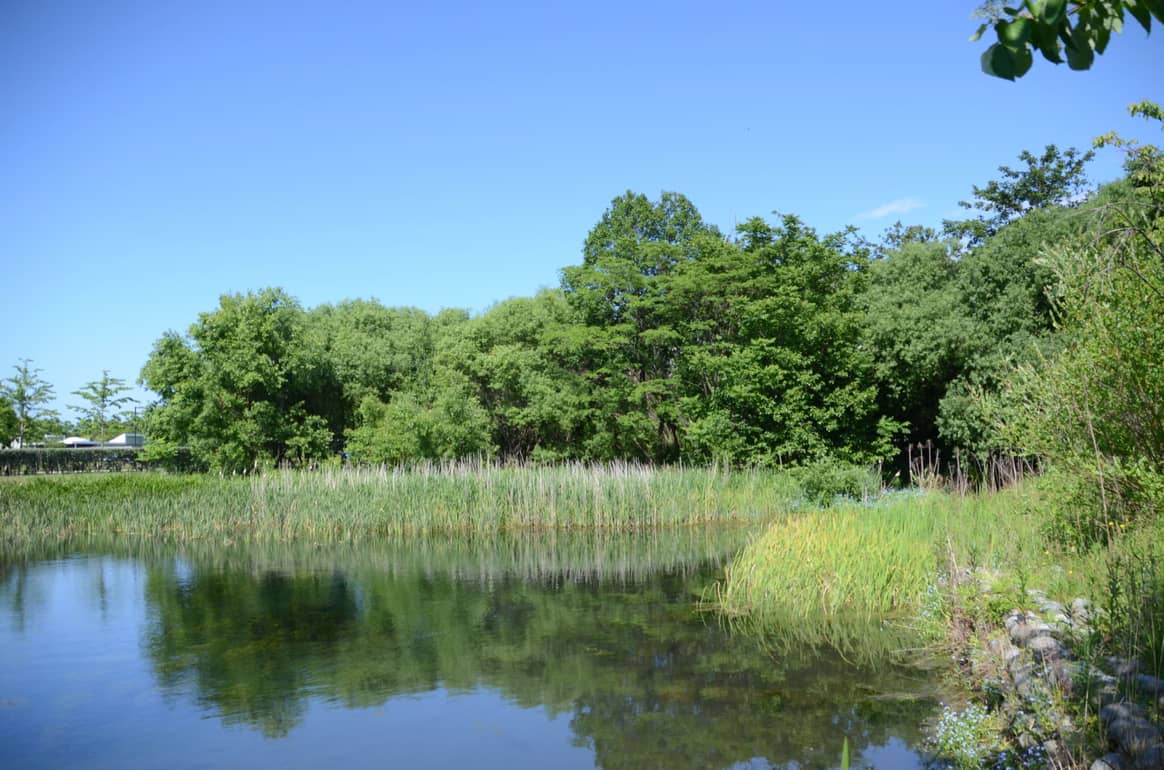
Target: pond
x=566 y=652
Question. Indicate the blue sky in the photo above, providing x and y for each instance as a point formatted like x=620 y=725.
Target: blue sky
x=156 y=155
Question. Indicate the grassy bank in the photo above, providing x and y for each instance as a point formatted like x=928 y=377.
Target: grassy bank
x=870 y=561
x=942 y=571
x=907 y=558
x=352 y=504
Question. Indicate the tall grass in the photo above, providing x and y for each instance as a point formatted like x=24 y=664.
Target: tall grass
x=843 y=575
x=858 y=565
x=469 y=498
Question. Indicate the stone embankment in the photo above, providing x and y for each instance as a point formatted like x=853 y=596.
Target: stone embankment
x=1035 y=662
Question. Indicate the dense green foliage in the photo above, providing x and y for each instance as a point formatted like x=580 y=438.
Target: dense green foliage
x=248 y=384
x=9 y=424
x=670 y=342
x=20 y=462
x=1095 y=410
x=16 y=462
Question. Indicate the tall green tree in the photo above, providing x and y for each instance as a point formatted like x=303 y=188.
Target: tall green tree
x=446 y=422
x=1095 y=409
x=432 y=413
x=783 y=375
x=918 y=331
x=102 y=397
x=28 y=393
x=513 y=358
x=1006 y=291
x=373 y=351
x=1055 y=178
x=247 y=386
x=627 y=343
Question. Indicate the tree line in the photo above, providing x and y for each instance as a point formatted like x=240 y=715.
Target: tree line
x=673 y=341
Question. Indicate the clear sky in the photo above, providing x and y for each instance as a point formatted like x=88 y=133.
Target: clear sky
x=154 y=155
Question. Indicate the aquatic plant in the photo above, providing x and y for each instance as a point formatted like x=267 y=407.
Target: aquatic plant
x=343 y=504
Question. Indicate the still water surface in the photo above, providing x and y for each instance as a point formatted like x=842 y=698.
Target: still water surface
x=562 y=653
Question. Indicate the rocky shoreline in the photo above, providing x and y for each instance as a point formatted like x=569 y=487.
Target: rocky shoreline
x=1030 y=672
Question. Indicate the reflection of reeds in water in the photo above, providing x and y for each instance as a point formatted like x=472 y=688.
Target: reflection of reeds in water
x=353 y=503
x=573 y=556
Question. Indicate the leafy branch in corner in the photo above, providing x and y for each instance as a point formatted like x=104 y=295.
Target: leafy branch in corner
x=1059 y=30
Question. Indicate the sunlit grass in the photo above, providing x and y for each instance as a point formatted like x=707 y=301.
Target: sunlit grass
x=470 y=498
x=860 y=563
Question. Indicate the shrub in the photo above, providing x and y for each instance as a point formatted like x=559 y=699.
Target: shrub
x=826 y=480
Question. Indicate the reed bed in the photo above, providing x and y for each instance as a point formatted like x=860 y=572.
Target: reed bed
x=347 y=504
x=860 y=564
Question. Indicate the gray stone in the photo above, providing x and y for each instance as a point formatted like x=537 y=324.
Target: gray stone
x=1124 y=710
x=1150 y=685
x=1017 y=663
x=1133 y=736
x=1065 y=674
x=1108 y=762
x=1046 y=649
x=1014 y=618
x=1020 y=617
x=1151 y=759
x=1108 y=695
x=1024 y=678
x=1002 y=648
x=1022 y=633
x=1124 y=669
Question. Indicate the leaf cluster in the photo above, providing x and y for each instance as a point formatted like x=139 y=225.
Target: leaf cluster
x=1075 y=32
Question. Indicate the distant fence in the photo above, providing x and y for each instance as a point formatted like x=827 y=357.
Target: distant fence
x=98 y=459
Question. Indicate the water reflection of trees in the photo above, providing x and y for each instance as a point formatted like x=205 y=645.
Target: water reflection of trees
x=245 y=645
x=649 y=682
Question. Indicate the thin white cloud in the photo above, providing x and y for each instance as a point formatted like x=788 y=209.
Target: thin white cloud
x=899 y=206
